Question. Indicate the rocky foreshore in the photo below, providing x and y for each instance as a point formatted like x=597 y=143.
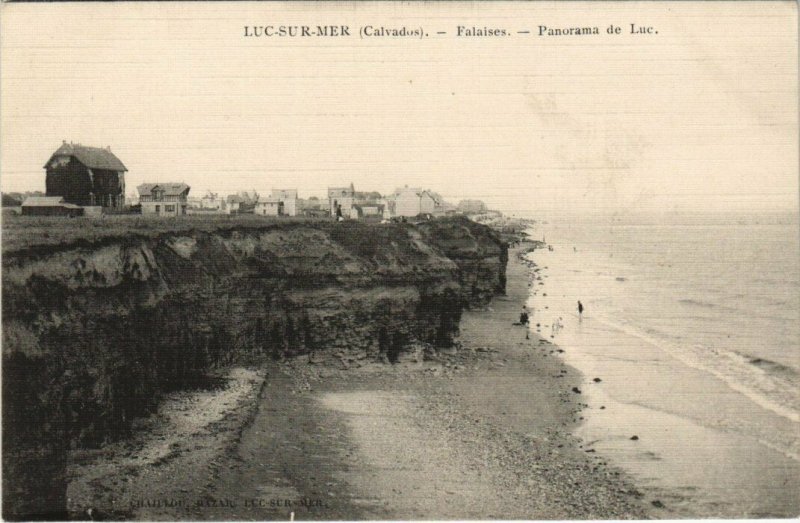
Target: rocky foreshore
x=512 y=229
x=98 y=329
x=482 y=430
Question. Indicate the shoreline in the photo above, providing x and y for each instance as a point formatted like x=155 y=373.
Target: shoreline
x=479 y=432
x=671 y=397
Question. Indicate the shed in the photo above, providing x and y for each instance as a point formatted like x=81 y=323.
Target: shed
x=49 y=206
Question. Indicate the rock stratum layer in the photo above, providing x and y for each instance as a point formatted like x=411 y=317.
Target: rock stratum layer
x=93 y=333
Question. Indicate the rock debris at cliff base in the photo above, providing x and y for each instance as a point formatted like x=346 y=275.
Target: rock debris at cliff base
x=99 y=326
x=481 y=432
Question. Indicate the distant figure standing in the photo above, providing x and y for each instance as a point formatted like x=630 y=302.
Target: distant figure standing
x=524 y=320
x=580 y=310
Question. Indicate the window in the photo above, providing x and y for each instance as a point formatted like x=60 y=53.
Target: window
x=158 y=209
x=169 y=208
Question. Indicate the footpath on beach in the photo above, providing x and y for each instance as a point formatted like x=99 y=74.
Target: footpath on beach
x=483 y=431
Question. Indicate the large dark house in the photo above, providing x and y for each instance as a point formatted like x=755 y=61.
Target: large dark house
x=86 y=176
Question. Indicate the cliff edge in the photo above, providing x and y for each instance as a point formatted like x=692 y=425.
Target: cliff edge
x=95 y=330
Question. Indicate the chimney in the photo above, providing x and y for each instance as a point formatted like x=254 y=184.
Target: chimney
x=63 y=142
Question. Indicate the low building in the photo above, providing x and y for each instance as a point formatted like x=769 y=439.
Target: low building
x=289 y=199
x=269 y=207
x=163 y=199
x=341 y=200
x=49 y=206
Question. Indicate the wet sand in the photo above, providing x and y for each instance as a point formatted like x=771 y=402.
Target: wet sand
x=482 y=432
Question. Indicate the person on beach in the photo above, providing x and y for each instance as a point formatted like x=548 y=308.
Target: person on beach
x=524 y=320
x=580 y=310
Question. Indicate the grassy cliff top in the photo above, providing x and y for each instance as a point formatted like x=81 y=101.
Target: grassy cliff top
x=45 y=233
x=26 y=235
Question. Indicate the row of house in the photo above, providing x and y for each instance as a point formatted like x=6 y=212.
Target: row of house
x=344 y=202
x=89 y=180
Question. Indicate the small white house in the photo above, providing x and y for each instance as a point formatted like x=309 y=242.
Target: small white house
x=163 y=199
x=289 y=199
x=412 y=201
x=269 y=207
x=341 y=200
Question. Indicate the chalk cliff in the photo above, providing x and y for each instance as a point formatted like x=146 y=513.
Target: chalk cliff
x=94 y=332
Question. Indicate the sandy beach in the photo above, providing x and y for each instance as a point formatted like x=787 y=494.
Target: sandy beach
x=480 y=432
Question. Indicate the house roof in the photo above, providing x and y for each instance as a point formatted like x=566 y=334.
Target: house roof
x=435 y=197
x=415 y=190
x=91 y=157
x=419 y=193
x=270 y=200
x=43 y=201
x=48 y=201
x=170 y=189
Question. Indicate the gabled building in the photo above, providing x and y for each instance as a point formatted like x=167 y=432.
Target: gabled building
x=163 y=199
x=289 y=199
x=412 y=201
x=341 y=200
x=86 y=176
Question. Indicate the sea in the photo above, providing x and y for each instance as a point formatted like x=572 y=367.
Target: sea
x=689 y=345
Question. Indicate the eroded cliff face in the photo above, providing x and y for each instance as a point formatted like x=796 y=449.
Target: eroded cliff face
x=93 y=334
x=479 y=253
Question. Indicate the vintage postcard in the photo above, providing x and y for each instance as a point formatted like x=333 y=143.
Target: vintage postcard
x=399 y=260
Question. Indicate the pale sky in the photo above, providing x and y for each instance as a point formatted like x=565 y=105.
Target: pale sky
x=701 y=116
